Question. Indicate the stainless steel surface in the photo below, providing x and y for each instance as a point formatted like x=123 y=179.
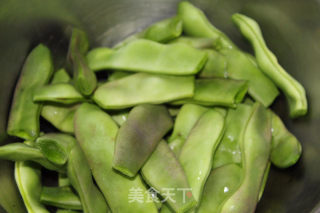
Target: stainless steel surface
x=291 y=29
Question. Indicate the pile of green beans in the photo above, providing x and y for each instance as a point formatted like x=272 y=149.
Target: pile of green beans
x=181 y=124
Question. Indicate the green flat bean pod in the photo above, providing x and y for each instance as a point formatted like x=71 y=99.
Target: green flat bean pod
x=216 y=66
x=202 y=141
x=196 y=24
x=195 y=42
x=80 y=176
x=164 y=30
x=56 y=147
x=241 y=67
x=36 y=72
x=24 y=152
x=221 y=184
x=255 y=147
x=148 y=56
x=66 y=211
x=286 y=149
x=60 y=76
x=185 y=121
x=118 y=75
x=139 y=136
x=217 y=92
x=143 y=88
x=96 y=132
x=58 y=93
x=228 y=150
x=61 y=197
x=28 y=179
x=60 y=116
x=268 y=62
x=120 y=117
x=63 y=180
x=163 y=171
x=264 y=181
x=97 y=56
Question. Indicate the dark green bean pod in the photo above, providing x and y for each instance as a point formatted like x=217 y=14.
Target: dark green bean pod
x=25 y=152
x=268 y=62
x=221 y=184
x=148 y=56
x=185 y=121
x=202 y=141
x=80 y=176
x=56 y=147
x=36 y=72
x=84 y=78
x=143 y=88
x=217 y=92
x=139 y=136
x=286 y=149
x=28 y=179
x=255 y=146
x=228 y=150
x=61 y=197
x=96 y=132
x=195 y=42
x=58 y=93
x=163 y=171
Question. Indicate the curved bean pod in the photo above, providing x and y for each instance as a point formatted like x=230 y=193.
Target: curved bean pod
x=217 y=92
x=202 y=141
x=58 y=93
x=286 y=149
x=36 y=72
x=228 y=150
x=255 y=147
x=148 y=56
x=56 y=147
x=241 y=67
x=143 y=88
x=97 y=56
x=158 y=172
x=80 y=176
x=118 y=75
x=28 y=179
x=139 y=136
x=221 y=184
x=196 y=24
x=96 y=132
x=61 y=197
x=185 y=121
x=268 y=62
